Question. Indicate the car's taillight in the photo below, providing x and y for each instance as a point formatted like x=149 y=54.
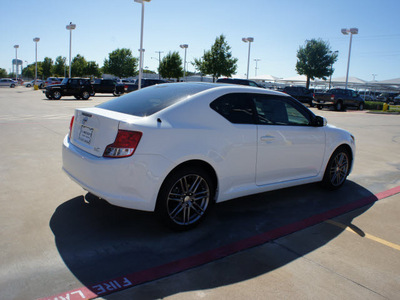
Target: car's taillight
x=332 y=97
x=70 y=126
x=125 y=144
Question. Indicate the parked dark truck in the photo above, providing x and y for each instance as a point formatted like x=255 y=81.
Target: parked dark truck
x=107 y=86
x=80 y=88
x=339 y=99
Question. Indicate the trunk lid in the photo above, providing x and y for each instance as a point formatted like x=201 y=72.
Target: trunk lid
x=95 y=128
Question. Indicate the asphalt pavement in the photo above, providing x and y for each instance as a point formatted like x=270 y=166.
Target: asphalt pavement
x=302 y=242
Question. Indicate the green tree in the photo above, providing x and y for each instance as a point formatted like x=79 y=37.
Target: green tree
x=3 y=73
x=120 y=63
x=218 y=60
x=171 y=66
x=47 y=67
x=78 y=66
x=60 y=67
x=92 y=69
x=29 y=71
x=315 y=60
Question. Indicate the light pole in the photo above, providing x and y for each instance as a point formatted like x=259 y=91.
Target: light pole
x=16 y=61
x=159 y=62
x=256 y=60
x=346 y=31
x=330 y=77
x=184 y=46
x=141 y=44
x=70 y=27
x=36 y=40
x=250 y=40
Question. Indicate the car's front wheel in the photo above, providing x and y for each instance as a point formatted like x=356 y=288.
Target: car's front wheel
x=56 y=95
x=337 y=169
x=85 y=95
x=185 y=197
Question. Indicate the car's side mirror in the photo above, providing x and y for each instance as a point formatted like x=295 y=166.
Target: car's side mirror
x=320 y=121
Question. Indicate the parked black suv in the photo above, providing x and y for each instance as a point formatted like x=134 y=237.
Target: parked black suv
x=80 y=88
x=300 y=93
x=104 y=86
x=239 y=81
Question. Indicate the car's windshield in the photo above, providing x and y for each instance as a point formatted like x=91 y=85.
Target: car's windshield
x=150 y=100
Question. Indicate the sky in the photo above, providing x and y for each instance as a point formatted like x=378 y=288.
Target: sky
x=279 y=28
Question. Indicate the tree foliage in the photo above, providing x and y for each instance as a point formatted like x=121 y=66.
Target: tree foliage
x=171 y=66
x=315 y=60
x=78 y=66
x=3 y=73
x=218 y=60
x=59 y=68
x=47 y=67
x=121 y=63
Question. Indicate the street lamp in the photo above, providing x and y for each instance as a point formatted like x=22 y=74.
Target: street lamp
x=16 y=61
x=256 y=60
x=346 y=31
x=141 y=44
x=36 y=40
x=330 y=78
x=184 y=46
x=250 y=40
x=70 y=27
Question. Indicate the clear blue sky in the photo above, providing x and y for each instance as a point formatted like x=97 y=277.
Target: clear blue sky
x=278 y=28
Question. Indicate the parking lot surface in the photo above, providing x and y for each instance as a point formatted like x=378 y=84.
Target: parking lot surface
x=302 y=242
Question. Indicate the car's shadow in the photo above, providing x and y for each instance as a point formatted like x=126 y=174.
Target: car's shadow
x=99 y=242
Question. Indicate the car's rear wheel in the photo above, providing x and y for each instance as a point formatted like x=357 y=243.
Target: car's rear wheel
x=361 y=106
x=12 y=85
x=77 y=97
x=337 y=169
x=339 y=106
x=56 y=95
x=85 y=95
x=185 y=197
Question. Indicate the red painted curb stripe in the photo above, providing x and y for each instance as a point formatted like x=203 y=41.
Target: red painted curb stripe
x=124 y=282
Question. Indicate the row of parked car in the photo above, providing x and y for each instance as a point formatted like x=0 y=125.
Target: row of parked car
x=337 y=98
x=83 y=88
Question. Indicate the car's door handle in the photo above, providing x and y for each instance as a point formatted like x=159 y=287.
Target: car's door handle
x=267 y=138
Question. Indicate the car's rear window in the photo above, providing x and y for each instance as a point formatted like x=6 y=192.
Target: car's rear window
x=150 y=100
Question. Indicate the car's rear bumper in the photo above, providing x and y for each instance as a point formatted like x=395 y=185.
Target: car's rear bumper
x=131 y=182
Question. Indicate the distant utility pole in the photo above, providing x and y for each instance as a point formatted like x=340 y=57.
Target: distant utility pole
x=159 y=62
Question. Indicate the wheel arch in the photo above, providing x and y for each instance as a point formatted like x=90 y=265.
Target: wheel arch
x=195 y=163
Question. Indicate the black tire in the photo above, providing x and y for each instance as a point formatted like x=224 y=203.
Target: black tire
x=361 y=106
x=48 y=96
x=85 y=95
x=337 y=169
x=185 y=198
x=339 y=106
x=56 y=95
x=12 y=85
x=319 y=107
x=77 y=97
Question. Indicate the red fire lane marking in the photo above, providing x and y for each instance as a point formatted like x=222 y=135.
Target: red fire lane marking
x=124 y=282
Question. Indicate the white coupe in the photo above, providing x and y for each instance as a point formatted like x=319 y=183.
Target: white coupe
x=178 y=148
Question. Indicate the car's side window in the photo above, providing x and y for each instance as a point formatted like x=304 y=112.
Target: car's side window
x=236 y=108
x=275 y=110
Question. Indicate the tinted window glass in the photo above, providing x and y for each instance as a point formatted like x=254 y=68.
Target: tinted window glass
x=275 y=110
x=236 y=108
x=148 y=101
